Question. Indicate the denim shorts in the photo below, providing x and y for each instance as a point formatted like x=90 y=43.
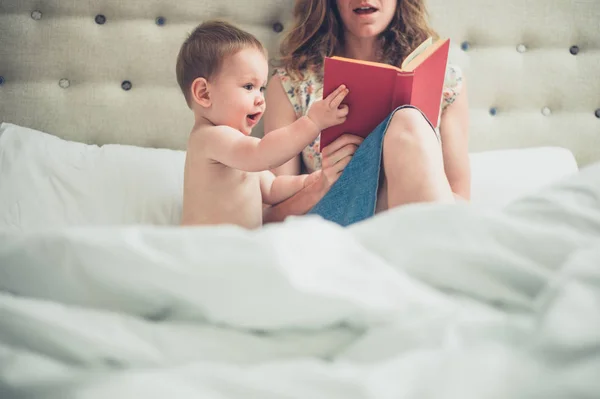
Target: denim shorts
x=353 y=197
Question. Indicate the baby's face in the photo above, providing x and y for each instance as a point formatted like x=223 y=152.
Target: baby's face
x=237 y=92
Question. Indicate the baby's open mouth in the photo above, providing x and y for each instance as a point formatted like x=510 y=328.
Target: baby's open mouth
x=254 y=117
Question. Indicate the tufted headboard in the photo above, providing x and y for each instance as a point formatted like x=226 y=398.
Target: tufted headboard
x=103 y=71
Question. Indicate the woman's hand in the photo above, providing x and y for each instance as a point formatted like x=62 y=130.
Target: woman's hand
x=335 y=157
x=313 y=177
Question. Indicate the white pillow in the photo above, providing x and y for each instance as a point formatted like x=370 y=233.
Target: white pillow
x=501 y=176
x=46 y=181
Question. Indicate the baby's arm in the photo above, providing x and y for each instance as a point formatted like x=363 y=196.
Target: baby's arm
x=276 y=189
x=236 y=150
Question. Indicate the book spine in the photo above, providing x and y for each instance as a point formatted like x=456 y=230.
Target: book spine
x=403 y=90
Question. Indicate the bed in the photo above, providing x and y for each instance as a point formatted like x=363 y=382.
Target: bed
x=103 y=295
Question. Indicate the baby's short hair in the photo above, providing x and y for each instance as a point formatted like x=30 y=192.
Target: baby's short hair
x=203 y=52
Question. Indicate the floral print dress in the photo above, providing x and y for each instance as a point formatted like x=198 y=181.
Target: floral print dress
x=302 y=93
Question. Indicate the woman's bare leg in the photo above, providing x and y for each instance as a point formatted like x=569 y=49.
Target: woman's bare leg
x=413 y=166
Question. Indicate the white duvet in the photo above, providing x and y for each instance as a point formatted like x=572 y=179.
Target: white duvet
x=426 y=301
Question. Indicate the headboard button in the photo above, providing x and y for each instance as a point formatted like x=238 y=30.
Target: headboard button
x=574 y=50
x=465 y=46
x=126 y=85
x=1 y=80
x=597 y=113
x=521 y=48
x=100 y=19
x=64 y=83
x=36 y=15
x=160 y=21
x=493 y=111
x=278 y=27
x=546 y=111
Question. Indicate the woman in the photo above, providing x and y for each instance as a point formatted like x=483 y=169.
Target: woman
x=402 y=161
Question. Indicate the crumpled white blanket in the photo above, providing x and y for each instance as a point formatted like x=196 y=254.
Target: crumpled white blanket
x=425 y=301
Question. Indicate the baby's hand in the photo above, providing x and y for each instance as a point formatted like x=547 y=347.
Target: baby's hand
x=328 y=112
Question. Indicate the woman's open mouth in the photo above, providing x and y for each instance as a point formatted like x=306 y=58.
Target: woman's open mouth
x=365 y=10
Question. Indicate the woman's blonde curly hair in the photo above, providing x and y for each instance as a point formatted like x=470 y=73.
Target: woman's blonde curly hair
x=317 y=32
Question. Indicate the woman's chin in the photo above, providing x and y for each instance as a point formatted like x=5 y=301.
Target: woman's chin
x=367 y=32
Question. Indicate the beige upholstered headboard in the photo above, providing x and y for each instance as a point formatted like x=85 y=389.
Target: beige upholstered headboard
x=102 y=71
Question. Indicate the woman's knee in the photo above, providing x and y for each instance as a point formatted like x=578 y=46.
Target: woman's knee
x=408 y=126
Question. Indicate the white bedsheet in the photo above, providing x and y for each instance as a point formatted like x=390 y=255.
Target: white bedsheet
x=426 y=301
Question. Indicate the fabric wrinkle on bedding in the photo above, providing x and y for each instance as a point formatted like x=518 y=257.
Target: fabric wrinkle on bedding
x=386 y=308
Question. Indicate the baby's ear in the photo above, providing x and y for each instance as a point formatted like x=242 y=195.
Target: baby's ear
x=200 y=92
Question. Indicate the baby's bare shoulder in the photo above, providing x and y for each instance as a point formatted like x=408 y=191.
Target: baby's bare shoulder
x=204 y=137
x=211 y=130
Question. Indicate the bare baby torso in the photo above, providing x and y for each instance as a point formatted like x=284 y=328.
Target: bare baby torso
x=214 y=193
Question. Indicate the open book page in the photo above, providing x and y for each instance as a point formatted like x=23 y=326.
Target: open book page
x=422 y=47
x=362 y=62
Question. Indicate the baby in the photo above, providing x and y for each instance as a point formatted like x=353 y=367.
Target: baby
x=222 y=72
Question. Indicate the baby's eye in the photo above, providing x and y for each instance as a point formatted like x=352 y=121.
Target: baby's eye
x=263 y=89
x=249 y=86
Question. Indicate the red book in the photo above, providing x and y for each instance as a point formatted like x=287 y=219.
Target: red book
x=376 y=89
